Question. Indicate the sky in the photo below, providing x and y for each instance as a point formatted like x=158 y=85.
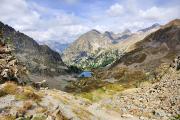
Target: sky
x=65 y=20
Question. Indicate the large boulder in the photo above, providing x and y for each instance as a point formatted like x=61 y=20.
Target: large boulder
x=176 y=63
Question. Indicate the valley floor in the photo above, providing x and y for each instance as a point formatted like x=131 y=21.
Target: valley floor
x=159 y=101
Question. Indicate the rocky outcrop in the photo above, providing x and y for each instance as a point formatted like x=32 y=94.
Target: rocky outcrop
x=176 y=63
x=10 y=68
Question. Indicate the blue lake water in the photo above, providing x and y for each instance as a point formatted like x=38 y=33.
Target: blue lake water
x=86 y=74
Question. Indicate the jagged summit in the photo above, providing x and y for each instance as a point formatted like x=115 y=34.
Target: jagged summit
x=156 y=25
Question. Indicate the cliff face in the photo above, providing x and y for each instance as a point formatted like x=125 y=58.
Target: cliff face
x=39 y=59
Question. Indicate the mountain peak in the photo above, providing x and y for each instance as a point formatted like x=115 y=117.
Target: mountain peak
x=94 y=31
x=175 y=22
x=108 y=34
x=156 y=25
x=126 y=31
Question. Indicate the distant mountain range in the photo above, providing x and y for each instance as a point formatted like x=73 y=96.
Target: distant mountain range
x=84 y=50
x=149 y=28
x=55 y=45
x=159 y=47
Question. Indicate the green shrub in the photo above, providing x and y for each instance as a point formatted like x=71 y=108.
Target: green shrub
x=177 y=117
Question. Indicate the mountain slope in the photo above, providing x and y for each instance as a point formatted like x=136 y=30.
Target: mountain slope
x=157 y=48
x=38 y=58
x=125 y=44
x=86 y=44
x=149 y=28
x=42 y=62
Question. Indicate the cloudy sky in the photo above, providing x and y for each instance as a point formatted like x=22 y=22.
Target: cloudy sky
x=65 y=20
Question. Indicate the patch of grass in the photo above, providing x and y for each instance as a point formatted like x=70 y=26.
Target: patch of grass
x=96 y=88
x=86 y=95
x=7 y=117
x=177 y=117
x=21 y=93
x=114 y=87
x=28 y=94
x=85 y=85
x=100 y=93
x=39 y=117
x=2 y=93
x=10 y=88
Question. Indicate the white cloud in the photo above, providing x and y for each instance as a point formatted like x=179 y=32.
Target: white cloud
x=17 y=13
x=115 y=10
x=45 y=23
x=157 y=13
x=29 y=18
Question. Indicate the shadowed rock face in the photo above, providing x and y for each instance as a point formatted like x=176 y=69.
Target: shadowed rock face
x=39 y=59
